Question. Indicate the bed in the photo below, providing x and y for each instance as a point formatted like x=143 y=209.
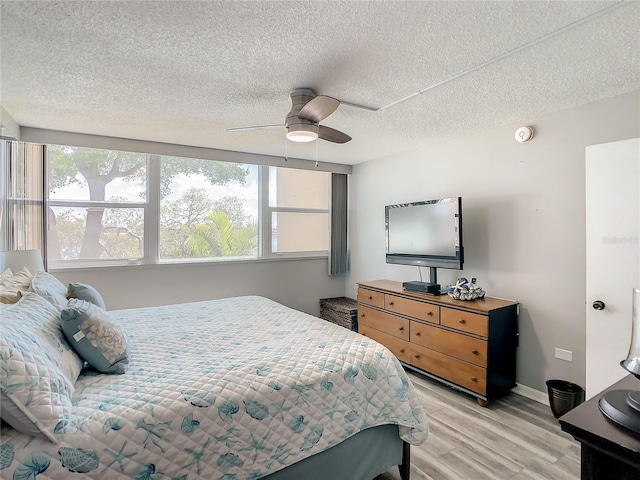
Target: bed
x=237 y=388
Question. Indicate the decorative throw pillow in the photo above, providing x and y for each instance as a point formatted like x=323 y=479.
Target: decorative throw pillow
x=4 y=279
x=38 y=370
x=5 y=275
x=49 y=287
x=95 y=336
x=12 y=285
x=86 y=292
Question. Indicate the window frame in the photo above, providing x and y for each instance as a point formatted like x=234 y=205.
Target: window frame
x=267 y=214
x=151 y=215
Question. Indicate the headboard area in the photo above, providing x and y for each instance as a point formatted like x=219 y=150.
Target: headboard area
x=16 y=260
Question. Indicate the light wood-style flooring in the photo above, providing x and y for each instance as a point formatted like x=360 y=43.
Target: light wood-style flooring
x=513 y=438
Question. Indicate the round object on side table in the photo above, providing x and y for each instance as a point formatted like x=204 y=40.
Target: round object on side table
x=623 y=407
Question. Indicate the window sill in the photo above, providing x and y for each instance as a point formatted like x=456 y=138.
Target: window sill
x=187 y=263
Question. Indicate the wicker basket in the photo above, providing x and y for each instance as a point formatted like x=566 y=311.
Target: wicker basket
x=342 y=311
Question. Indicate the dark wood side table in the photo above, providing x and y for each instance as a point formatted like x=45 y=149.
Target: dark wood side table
x=609 y=451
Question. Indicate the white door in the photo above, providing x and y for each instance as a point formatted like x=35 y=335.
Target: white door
x=613 y=257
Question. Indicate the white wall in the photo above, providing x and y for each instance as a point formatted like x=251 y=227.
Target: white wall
x=524 y=221
x=298 y=284
x=8 y=125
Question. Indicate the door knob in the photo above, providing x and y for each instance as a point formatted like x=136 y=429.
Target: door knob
x=598 y=305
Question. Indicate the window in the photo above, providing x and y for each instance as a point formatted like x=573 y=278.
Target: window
x=299 y=210
x=208 y=209
x=113 y=207
x=97 y=204
x=21 y=195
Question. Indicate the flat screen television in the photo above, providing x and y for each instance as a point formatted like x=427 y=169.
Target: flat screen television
x=425 y=234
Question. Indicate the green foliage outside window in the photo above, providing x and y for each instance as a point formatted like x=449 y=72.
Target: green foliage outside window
x=191 y=226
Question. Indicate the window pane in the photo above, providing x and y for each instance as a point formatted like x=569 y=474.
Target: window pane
x=94 y=174
x=95 y=233
x=208 y=209
x=23 y=219
x=293 y=188
x=21 y=196
x=299 y=232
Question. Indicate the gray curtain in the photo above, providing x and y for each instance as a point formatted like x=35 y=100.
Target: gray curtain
x=22 y=196
x=338 y=248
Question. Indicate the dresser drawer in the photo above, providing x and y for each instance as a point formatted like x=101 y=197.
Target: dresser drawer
x=457 y=345
x=371 y=297
x=465 y=321
x=462 y=373
x=412 y=308
x=385 y=322
x=398 y=347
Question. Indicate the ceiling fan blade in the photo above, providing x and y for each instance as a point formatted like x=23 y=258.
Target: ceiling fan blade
x=319 y=108
x=256 y=127
x=332 y=135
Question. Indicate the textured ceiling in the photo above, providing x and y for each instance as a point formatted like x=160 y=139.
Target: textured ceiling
x=183 y=72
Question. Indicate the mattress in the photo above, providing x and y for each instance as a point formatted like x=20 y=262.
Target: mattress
x=237 y=388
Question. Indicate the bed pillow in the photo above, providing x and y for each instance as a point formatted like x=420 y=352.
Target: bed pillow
x=95 y=336
x=38 y=369
x=86 y=292
x=5 y=275
x=4 y=278
x=49 y=287
x=12 y=285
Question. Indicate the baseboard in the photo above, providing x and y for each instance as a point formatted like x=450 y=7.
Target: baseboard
x=532 y=393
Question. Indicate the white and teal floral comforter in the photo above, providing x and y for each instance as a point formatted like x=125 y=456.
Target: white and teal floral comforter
x=226 y=389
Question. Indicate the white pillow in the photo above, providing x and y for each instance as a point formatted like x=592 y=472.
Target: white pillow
x=6 y=274
x=49 y=287
x=38 y=369
x=12 y=285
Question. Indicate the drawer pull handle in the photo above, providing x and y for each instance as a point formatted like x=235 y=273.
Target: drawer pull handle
x=362 y=315
x=416 y=356
x=417 y=334
x=400 y=328
x=429 y=314
x=370 y=297
x=474 y=351
x=402 y=350
x=462 y=321
x=474 y=379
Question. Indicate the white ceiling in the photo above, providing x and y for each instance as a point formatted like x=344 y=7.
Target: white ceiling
x=183 y=72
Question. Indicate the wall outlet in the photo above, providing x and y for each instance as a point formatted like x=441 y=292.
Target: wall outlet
x=564 y=354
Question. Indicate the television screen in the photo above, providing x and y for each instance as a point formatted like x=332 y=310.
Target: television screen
x=426 y=234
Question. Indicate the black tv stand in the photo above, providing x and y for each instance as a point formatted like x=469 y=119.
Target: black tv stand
x=423 y=287
x=437 y=294
x=429 y=288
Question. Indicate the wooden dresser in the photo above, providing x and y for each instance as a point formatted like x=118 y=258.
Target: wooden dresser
x=469 y=345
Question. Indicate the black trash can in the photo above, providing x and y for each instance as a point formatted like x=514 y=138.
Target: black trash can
x=563 y=396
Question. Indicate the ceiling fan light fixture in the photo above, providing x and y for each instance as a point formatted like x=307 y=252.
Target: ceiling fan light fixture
x=302 y=133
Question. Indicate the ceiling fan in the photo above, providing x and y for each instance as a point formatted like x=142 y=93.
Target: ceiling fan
x=303 y=121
